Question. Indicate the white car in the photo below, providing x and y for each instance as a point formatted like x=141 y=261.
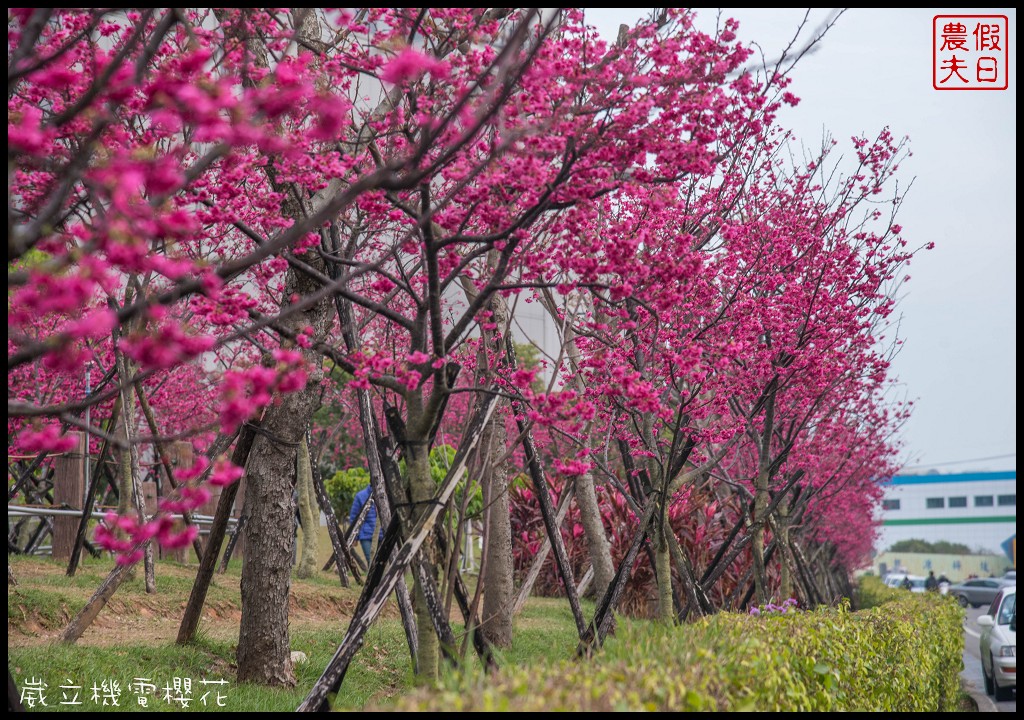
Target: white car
x=893 y=579
x=999 y=645
x=898 y=580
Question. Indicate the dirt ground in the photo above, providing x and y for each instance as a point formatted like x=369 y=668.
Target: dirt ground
x=44 y=600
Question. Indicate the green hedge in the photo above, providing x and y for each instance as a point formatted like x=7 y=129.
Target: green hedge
x=905 y=655
x=872 y=592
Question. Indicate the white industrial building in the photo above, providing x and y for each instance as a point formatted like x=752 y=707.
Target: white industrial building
x=977 y=509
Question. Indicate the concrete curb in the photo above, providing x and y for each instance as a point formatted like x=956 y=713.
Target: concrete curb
x=983 y=701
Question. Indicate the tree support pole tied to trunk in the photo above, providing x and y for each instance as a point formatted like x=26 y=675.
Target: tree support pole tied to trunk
x=218 y=528
x=543 y=492
x=598 y=628
x=334 y=674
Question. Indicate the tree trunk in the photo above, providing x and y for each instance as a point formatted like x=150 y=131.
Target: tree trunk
x=785 y=577
x=269 y=520
x=263 y=645
x=662 y=554
x=594 y=531
x=421 y=492
x=586 y=495
x=663 y=570
x=496 y=622
x=269 y=514
x=308 y=517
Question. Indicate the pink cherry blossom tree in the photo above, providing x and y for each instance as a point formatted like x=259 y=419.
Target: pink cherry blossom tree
x=210 y=206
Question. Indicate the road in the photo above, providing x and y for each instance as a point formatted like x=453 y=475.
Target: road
x=972 y=661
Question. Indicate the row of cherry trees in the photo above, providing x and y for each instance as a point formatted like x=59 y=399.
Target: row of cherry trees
x=218 y=212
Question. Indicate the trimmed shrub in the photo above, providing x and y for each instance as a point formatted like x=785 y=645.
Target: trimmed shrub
x=872 y=592
x=904 y=656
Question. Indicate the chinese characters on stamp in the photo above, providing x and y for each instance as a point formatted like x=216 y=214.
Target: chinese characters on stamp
x=970 y=52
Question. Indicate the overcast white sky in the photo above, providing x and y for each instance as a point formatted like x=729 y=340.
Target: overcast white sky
x=959 y=317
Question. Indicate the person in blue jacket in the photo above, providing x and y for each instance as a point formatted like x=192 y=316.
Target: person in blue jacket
x=369 y=522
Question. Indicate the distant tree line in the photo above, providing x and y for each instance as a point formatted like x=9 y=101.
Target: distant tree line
x=942 y=547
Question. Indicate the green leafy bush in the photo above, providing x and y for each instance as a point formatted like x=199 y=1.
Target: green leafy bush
x=872 y=592
x=342 y=488
x=903 y=656
x=441 y=458
x=344 y=484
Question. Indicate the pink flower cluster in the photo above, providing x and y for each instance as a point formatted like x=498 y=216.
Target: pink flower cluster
x=245 y=392
x=125 y=535
x=789 y=605
x=411 y=65
x=166 y=346
x=48 y=439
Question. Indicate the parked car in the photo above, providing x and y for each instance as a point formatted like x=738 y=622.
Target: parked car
x=916 y=583
x=979 y=591
x=894 y=579
x=999 y=645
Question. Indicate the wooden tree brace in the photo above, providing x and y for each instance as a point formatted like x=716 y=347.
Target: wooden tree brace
x=599 y=626
x=333 y=675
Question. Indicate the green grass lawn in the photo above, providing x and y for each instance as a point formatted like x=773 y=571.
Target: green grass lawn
x=129 y=653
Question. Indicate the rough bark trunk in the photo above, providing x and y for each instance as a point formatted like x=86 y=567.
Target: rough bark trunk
x=421 y=492
x=263 y=649
x=496 y=620
x=269 y=515
x=594 y=531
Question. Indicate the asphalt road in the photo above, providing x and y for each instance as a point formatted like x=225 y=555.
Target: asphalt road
x=971 y=673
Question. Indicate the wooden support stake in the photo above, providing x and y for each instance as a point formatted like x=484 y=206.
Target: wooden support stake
x=68 y=484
